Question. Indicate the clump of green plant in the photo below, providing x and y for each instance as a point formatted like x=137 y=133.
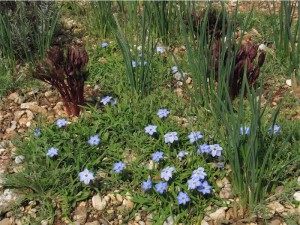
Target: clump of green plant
x=286 y=34
x=256 y=146
x=100 y=17
x=165 y=20
x=138 y=56
x=66 y=72
x=27 y=28
x=6 y=78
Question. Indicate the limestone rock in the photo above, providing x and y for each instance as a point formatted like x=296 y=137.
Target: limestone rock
x=34 y=107
x=19 y=159
x=93 y=223
x=276 y=207
x=13 y=96
x=219 y=214
x=18 y=114
x=12 y=127
x=80 y=214
x=6 y=221
x=275 y=222
x=7 y=199
x=203 y=222
x=297 y=196
x=99 y=203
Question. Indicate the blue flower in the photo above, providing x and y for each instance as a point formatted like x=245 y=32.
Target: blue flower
x=119 y=166
x=150 y=129
x=193 y=183
x=160 y=49
x=141 y=55
x=37 y=132
x=140 y=63
x=86 y=176
x=133 y=63
x=215 y=150
x=157 y=156
x=166 y=173
x=275 y=129
x=195 y=136
x=245 y=130
x=104 y=44
x=52 y=152
x=181 y=155
x=146 y=185
x=113 y=101
x=162 y=113
x=204 y=188
x=171 y=137
x=183 y=198
x=220 y=165
x=174 y=69
x=61 y=123
x=105 y=100
x=94 y=140
x=161 y=187
x=204 y=148
x=199 y=174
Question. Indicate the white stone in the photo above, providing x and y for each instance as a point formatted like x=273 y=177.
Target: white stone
x=13 y=126
x=44 y=222
x=218 y=214
x=297 y=196
x=28 y=124
x=99 y=203
x=289 y=82
x=203 y=222
x=170 y=220
x=262 y=47
x=19 y=159
x=119 y=197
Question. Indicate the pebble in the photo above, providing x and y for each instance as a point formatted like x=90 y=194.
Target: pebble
x=44 y=222
x=275 y=222
x=297 y=196
x=103 y=222
x=80 y=214
x=218 y=214
x=93 y=223
x=19 y=159
x=6 y=221
x=119 y=198
x=12 y=127
x=99 y=203
x=225 y=193
x=289 y=82
x=6 y=199
x=203 y=222
x=276 y=207
x=169 y=221
x=13 y=96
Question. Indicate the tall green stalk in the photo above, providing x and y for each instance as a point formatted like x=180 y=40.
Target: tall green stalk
x=138 y=62
x=255 y=157
x=100 y=17
x=286 y=34
x=165 y=16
